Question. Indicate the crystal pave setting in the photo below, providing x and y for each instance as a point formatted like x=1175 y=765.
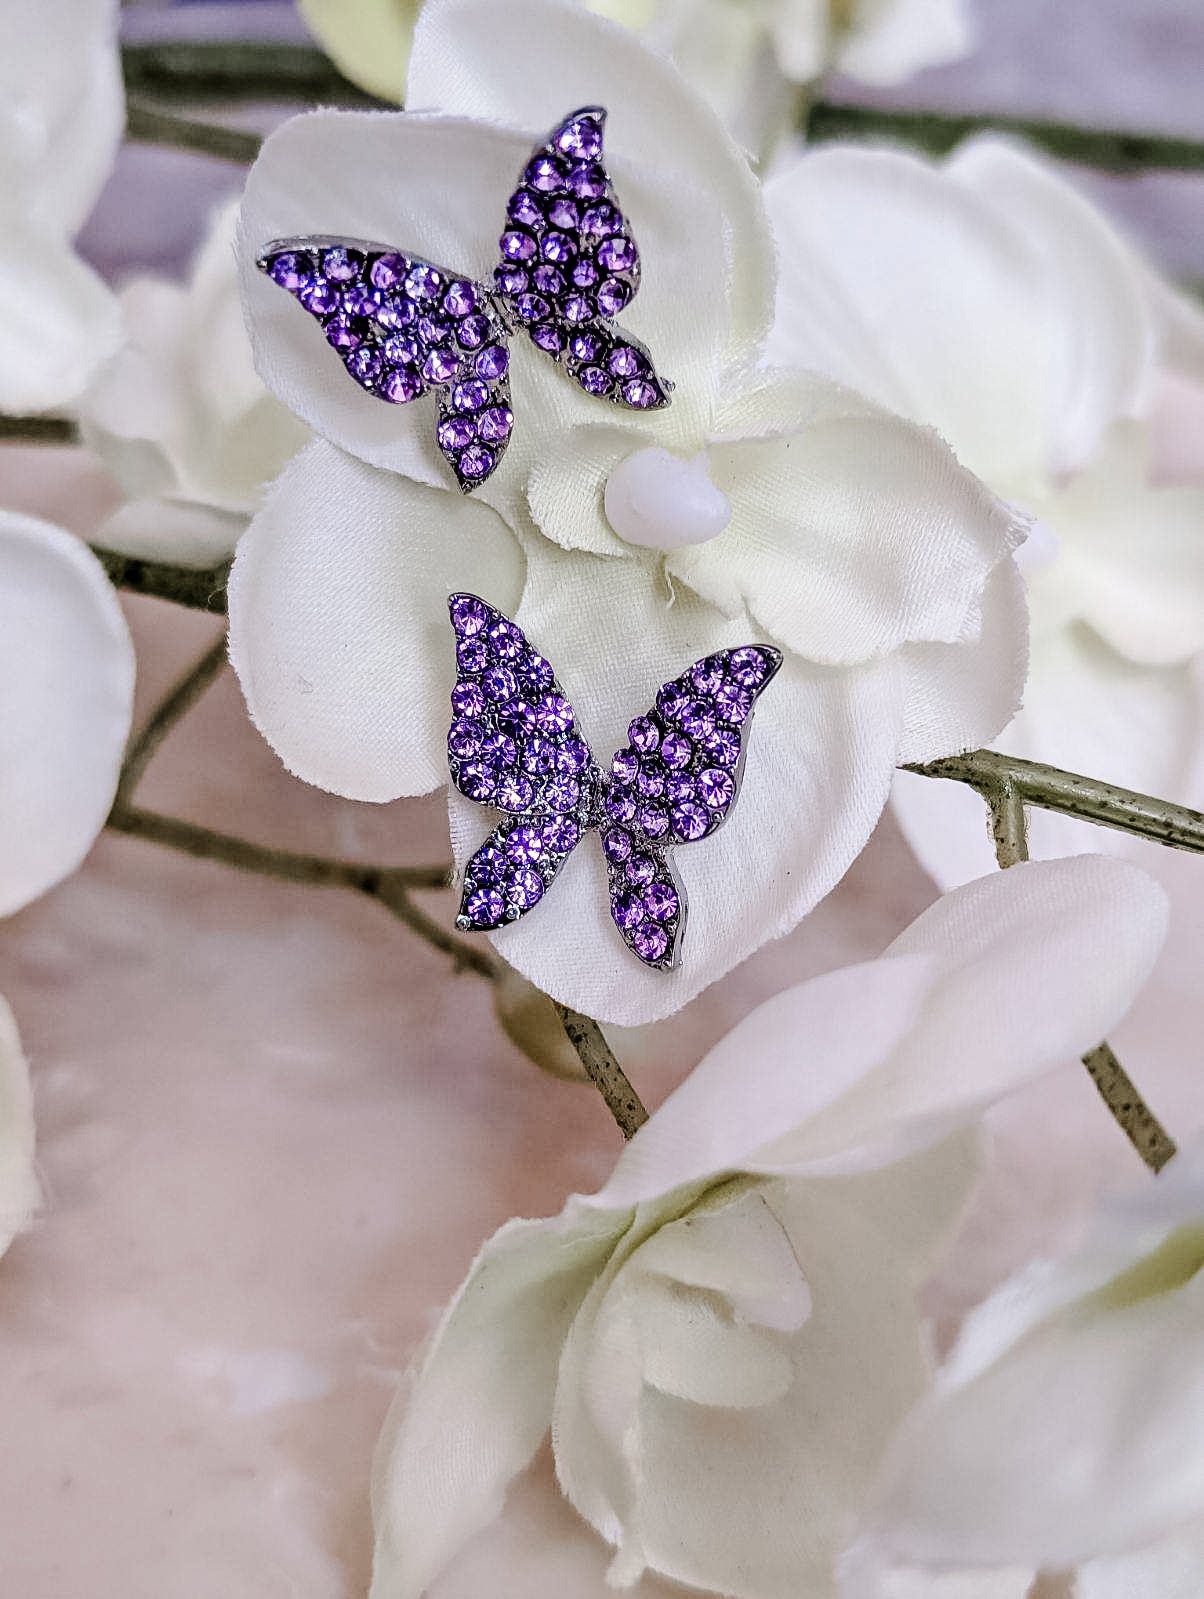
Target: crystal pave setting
x=568 y=264
x=514 y=745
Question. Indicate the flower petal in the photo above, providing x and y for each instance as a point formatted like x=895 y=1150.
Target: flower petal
x=60 y=321
x=66 y=698
x=482 y=1399
x=338 y=620
x=886 y=44
x=18 y=1184
x=823 y=738
x=368 y=40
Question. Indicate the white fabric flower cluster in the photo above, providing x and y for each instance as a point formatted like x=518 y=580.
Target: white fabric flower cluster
x=856 y=543
x=989 y=300
x=724 y=1338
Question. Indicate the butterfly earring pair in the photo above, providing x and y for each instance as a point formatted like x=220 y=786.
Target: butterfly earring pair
x=568 y=265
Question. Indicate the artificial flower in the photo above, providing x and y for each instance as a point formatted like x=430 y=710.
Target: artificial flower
x=180 y=418
x=986 y=298
x=368 y=40
x=1064 y=1430
x=855 y=542
x=722 y=1340
x=61 y=119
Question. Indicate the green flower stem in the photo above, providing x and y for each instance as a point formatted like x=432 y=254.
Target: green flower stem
x=236 y=69
x=38 y=430
x=603 y=1070
x=179 y=700
x=146 y=124
x=198 y=588
x=1003 y=783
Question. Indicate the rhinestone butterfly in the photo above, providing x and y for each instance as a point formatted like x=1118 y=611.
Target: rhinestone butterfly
x=403 y=325
x=513 y=744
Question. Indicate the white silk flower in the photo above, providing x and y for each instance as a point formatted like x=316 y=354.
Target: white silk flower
x=987 y=298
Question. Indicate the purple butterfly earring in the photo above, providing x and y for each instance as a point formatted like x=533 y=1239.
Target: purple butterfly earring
x=513 y=744
x=403 y=325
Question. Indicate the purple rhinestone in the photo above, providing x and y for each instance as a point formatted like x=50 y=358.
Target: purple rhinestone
x=506 y=639
x=593 y=380
x=493 y=362
x=470 y=396
x=402 y=349
x=539 y=756
x=463 y=739
x=318 y=296
x=733 y=703
x=364 y=365
x=548 y=337
x=690 y=821
x=396 y=312
x=707 y=675
x=500 y=683
x=587 y=181
x=612 y=296
x=548 y=281
x=524 y=209
x=487 y=865
x=476 y=462
x=517 y=718
x=525 y=844
x=456 y=432
x=654 y=821
x=556 y=247
x=512 y=280
x=581 y=139
x=640 y=395
x=628 y=911
x=671 y=699
x=587 y=346
x=469 y=615
x=723 y=747
x=460 y=299
x=524 y=889
x=696 y=718
x=495 y=424
x=440 y=366
x=545 y=174
x=472 y=656
x=617 y=845
x=560 y=834
x=531 y=307
x=433 y=330
x=554 y=714
x=514 y=792
x=625 y=766
x=575 y=308
x=662 y=902
x=424 y=283
x=517 y=245
x=500 y=749
x=401 y=386
x=584 y=274
x=485 y=907
x=468 y=699
x=290 y=270
x=563 y=793
x=617 y=254
x=620 y=805
x=650 y=942
x=572 y=756
x=679 y=786
x=473 y=332
x=359 y=300
x=716 y=787
x=387 y=271
x=749 y=667
x=651 y=781
x=641 y=869
x=539 y=671
x=342 y=266
x=478 y=780
x=563 y=213
x=676 y=750
x=645 y=734
x=625 y=362
x=600 y=221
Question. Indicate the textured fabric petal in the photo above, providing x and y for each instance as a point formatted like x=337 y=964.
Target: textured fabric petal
x=482 y=1398
x=864 y=1574
x=825 y=739
x=60 y=322
x=852 y=531
x=66 y=698
x=180 y=530
x=553 y=58
x=368 y=40
x=1170 y=1569
x=338 y=620
x=18 y=1184
x=887 y=43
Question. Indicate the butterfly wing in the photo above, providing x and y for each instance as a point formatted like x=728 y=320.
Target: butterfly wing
x=402 y=326
x=514 y=744
x=569 y=264
x=675 y=783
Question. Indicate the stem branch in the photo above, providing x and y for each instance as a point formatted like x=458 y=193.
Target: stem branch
x=202 y=589
x=603 y=1070
x=179 y=701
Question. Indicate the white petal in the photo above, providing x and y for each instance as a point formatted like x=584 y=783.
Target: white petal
x=887 y=43
x=368 y=40
x=865 y=1574
x=1171 y=1569
x=60 y=322
x=18 y=1184
x=482 y=1399
x=551 y=58
x=820 y=754
x=66 y=697
x=178 y=530
x=338 y=620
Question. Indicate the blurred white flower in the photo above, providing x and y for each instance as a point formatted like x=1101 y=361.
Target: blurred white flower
x=368 y=40
x=1065 y=1429
x=989 y=300
x=806 y=516
x=61 y=118
x=180 y=418
x=723 y=1339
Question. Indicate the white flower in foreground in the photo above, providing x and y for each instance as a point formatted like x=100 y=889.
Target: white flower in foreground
x=180 y=418
x=61 y=117
x=722 y=1340
x=988 y=299
x=855 y=542
x=1067 y=1427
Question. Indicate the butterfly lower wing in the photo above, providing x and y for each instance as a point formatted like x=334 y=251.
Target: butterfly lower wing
x=402 y=326
x=513 y=869
x=647 y=903
x=569 y=263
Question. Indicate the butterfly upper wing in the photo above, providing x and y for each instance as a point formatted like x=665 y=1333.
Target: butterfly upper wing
x=402 y=326
x=514 y=744
x=675 y=783
x=569 y=264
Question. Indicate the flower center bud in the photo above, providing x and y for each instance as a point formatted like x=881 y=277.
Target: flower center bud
x=662 y=502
